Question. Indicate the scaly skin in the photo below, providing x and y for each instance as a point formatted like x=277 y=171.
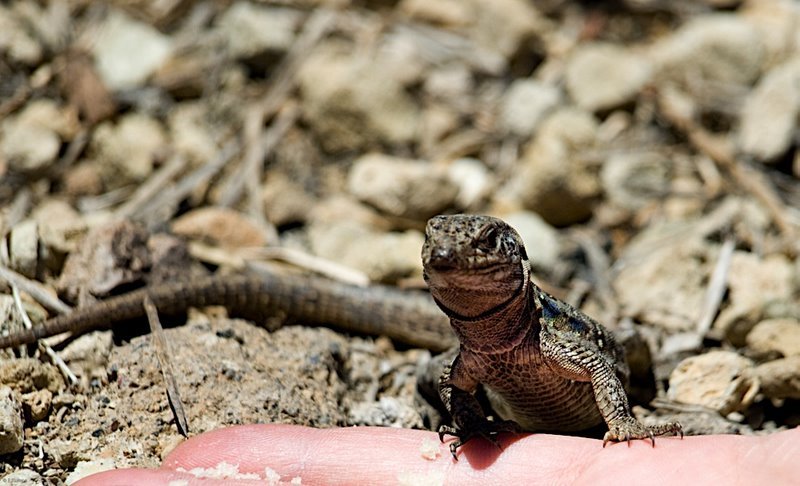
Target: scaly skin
x=545 y=366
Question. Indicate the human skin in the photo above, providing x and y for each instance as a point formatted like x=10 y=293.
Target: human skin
x=371 y=455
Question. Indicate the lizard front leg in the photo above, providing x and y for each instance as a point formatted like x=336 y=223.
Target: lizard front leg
x=572 y=361
x=457 y=389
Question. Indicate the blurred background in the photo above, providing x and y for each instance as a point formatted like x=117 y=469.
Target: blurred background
x=646 y=150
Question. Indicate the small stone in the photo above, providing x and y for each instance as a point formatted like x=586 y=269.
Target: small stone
x=384 y=257
x=720 y=380
x=602 y=76
x=87 y=468
x=553 y=180
x=126 y=151
x=251 y=30
x=635 y=179
x=720 y=48
x=11 y=431
x=37 y=404
x=127 y=51
x=401 y=187
x=221 y=227
x=61 y=227
x=285 y=202
x=504 y=26
x=541 y=240
x=453 y=13
x=31 y=140
x=780 y=378
x=525 y=105
x=352 y=101
x=475 y=182
x=24 y=247
x=22 y=477
x=753 y=282
x=18 y=43
x=191 y=132
x=769 y=117
x=775 y=336
x=27 y=374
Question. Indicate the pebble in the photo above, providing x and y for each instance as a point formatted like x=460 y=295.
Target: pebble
x=352 y=102
x=28 y=374
x=22 y=477
x=542 y=241
x=251 y=30
x=18 y=42
x=220 y=227
x=769 y=117
x=780 y=378
x=126 y=151
x=36 y=405
x=775 y=336
x=553 y=181
x=32 y=139
x=127 y=51
x=525 y=104
x=474 y=180
x=383 y=257
x=634 y=179
x=24 y=248
x=720 y=380
x=11 y=426
x=602 y=76
x=720 y=48
x=401 y=187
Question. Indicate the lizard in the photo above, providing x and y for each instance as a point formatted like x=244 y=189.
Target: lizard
x=545 y=365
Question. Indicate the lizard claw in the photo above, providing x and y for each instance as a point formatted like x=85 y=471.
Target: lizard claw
x=629 y=428
x=489 y=430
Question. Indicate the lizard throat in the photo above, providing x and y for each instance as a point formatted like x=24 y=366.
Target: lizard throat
x=487 y=313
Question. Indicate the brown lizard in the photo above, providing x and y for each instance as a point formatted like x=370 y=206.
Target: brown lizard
x=544 y=365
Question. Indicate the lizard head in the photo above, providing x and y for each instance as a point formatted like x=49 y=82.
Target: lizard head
x=473 y=264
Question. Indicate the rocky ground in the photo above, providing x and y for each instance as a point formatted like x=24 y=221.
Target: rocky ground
x=646 y=150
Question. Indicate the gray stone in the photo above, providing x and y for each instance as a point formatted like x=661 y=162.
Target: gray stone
x=601 y=76
x=127 y=150
x=22 y=477
x=719 y=380
x=541 y=240
x=351 y=101
x=127 y=51
x=17 y=42
x=24 y=247
x=401 y=187
x=769 y=117
x=473 y=179
x=719 y=48
x=775 y=337
x=250 y=30
x=634 y=179
x=31 y=140
x=553 y=180
x=384 y=257
x=525 y=105
x=780 y=378
x=11 y=431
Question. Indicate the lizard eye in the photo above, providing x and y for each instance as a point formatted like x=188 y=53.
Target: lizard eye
x=488 y=239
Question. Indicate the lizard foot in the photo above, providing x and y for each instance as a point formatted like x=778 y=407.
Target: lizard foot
x=629 y=428
x=486 y=429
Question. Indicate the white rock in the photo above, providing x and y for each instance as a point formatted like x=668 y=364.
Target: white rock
x=775 y=336
x=602 y=76
x=780 y=378
x=128 y=149
x=633 y=179
x=473 y=179
x=127 y=51
x=16 y=41
x=351 y=101
x=401 y=187
x=720 y=380
x=541 y=240
x=28 y=147
x=24 y=247
x=769 y=117
x=525 y=105
x=11 y=431
x=253 y=29
x=720 y=48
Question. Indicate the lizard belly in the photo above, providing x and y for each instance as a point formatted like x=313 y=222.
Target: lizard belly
x=529 y=393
